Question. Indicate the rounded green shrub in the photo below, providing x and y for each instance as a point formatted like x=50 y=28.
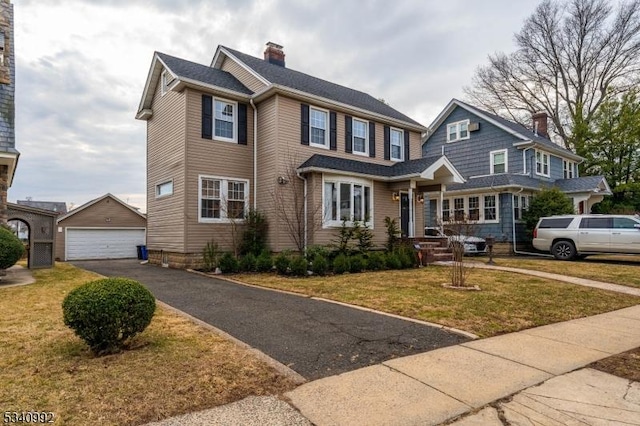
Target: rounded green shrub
x=357 y=264
x=248 y=263
x=229 y=264
x=341 y=264
x=320 y=265
x=299 y=266
x=407 y=258
x=376 y=261
x=264 y=262
x=282 y=263
x=105 y=313
x=11 y=248
x=392 y=261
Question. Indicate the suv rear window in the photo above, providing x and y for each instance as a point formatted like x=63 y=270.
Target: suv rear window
x=561 y=222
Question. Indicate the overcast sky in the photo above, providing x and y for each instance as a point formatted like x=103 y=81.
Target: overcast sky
x=82 y=65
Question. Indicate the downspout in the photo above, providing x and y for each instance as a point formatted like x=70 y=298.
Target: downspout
x=305 y=242
x=255 y=154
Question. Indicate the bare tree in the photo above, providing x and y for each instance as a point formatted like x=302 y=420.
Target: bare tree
x=571 y=56
x=289 y=200
x=457 y=228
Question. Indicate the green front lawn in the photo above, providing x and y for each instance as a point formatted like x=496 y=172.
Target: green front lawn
x=508 y=302
x=623 y=270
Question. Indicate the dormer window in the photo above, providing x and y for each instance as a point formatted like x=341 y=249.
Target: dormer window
x=458 y=131
x=569 y=169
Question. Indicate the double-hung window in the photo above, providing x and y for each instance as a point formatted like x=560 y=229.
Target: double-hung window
x=446 y=210
x=458 y=209
x=569 y=169
x=350 y=201
x=222 y=199
x=490 y=210
x=458 y=131
x=542 y=163
x=474 y=208
x=498 y=161
x=360 y=137
x=224 y=120
x=318 y=120
x=397 y=142
x=520 y=204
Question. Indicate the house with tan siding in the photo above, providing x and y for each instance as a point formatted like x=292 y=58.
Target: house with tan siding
x=249 y=133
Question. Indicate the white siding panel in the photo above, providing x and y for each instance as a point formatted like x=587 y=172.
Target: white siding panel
x=103 y=243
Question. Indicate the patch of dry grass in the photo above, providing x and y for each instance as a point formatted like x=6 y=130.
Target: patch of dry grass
x=621 y=270
x=172 y=368
x=508 y=302
x=626 y=365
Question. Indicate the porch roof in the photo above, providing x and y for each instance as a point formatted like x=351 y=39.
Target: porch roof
x=428 y=168
x=594 y=184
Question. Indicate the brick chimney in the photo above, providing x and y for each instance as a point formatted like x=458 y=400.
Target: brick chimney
x=540 y=124
x=274 y=54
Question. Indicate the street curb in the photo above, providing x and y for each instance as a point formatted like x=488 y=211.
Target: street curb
x=361 y=308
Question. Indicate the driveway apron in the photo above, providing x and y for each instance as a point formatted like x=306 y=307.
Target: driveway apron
x=312 y=337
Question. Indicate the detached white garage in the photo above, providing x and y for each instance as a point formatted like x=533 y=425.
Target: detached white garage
x=104 y=228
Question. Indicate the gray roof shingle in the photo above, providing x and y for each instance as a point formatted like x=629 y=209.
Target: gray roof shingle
x=316 y=86
x=580 y=184
x=54 y=206
x=191 y=70
x=354 y=166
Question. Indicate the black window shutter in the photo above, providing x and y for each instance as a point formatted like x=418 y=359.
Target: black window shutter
x=406 y=145
x=304 y=124
x=372 y=139
x=207 y=116
x=242 y=124
x=348 y=134
x=387 y=143
x=333 y=131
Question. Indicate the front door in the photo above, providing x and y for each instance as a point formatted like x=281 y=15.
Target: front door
x=404 y=214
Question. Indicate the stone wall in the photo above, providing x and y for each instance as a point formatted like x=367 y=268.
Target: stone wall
x=175 y=260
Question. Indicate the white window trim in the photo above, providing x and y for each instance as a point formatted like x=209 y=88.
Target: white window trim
x=457 y=124
x=326 y=131
x=338 y=179
x=165 y=182
x=224 y=188
x=366 y=137
x=506 y=160
x=543 y=154
x=401 y=144
x=521 y=206
x=481 y=207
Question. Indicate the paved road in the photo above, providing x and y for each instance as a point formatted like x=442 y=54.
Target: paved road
x=314 y=338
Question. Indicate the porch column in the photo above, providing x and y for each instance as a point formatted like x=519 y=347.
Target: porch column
x=412 y=230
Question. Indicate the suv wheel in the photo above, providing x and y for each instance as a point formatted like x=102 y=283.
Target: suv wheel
x=563 y=250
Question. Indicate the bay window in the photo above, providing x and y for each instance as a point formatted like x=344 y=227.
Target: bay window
x=347 y=200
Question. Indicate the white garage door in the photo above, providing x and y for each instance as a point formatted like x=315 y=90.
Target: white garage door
x=103 y=243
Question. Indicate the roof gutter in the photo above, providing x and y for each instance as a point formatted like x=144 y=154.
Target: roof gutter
x=559 y=151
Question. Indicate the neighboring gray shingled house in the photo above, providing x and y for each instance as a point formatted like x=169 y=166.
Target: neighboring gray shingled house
x=503 y=164
x=8 y=153
x=226 y=138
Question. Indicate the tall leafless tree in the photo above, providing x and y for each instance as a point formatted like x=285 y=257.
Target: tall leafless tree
x=570 y=57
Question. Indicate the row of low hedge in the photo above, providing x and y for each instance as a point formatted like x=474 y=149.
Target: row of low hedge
x=319 y=263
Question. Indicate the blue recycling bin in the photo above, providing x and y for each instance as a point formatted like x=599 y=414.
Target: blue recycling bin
x=142 y=252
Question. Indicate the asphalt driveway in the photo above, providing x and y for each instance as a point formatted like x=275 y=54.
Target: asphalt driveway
x=314 y=338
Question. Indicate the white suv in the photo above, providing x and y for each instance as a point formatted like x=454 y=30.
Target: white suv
x=571 y=236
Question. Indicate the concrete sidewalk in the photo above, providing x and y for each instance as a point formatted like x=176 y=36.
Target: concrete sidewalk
x=440 y=385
